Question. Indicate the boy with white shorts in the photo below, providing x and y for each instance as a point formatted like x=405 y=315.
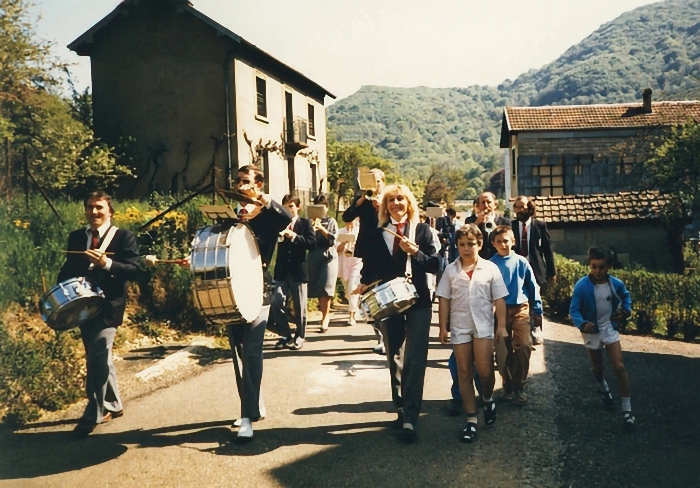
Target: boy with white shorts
x=469 y=289
x=598 y=304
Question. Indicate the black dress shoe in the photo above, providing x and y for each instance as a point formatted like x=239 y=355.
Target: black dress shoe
x=408 y=435
x=83 y=429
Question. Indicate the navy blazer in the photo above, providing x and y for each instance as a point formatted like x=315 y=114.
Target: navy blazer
x=379 y=264
x=125 y=267
x=291 y=255
x=539 y=251
x=266 y=227
x=369 y=220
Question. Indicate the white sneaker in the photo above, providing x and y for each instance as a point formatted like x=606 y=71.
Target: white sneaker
x=245 y=430
x=379 y=348
x=351 y=321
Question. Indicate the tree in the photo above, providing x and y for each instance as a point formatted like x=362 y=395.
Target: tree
x=343 y=160
x=37 y=122
x=674 y=166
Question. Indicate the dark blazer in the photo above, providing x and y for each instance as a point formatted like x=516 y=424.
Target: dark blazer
x=539 y=251
x=487 y=250
x=379 y=264
x=369 y=220
x=291 y=255
x=266 y=226
x=125 y=266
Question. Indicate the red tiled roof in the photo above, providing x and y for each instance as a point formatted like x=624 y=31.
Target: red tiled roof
x=611 y=116
x=633 y=205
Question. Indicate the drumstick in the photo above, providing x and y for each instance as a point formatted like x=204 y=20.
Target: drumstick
x=393 y=233
x=152 y=260
x=84 y=252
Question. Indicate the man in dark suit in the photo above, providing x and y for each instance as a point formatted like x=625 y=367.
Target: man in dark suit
x=292 y=275
x=365 y=207
x=487 y=220
x=246 y=339
x=109 y=257
x=532 y=241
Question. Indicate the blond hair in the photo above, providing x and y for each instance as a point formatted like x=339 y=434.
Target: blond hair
x=412 y=210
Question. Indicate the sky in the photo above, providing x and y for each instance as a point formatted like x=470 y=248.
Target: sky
x=345 y=44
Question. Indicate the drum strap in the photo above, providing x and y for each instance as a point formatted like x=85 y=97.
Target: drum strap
x=105 y=242
x=412 y=238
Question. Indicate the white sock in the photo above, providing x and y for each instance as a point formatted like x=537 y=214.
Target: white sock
x=471 y=418
x=406 y=425
x=603 y=385
x=490 y=399
x=626 y=404
x=246 y=428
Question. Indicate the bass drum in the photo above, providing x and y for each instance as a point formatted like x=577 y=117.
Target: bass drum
x=228 y=274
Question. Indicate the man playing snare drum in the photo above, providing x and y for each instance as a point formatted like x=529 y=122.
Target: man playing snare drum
x=109 y=257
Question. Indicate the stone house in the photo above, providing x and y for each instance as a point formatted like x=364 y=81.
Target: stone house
x=582 y=164
x=190 y=98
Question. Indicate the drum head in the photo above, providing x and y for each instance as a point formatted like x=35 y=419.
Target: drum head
x=76 y=313
x=245 y=266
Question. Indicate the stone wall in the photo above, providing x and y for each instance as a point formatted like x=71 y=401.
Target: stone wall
x=642 y=244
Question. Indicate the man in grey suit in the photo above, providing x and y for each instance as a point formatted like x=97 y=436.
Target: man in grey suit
x=532 y=241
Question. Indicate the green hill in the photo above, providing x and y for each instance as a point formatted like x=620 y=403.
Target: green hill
x=655 y=46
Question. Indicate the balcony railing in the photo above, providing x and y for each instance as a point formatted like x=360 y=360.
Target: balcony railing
x=295 y=133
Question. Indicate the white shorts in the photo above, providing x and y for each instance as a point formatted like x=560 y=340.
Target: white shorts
x=606 y=336
x=463 y=330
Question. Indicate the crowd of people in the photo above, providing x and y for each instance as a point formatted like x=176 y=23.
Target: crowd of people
x=486 y=274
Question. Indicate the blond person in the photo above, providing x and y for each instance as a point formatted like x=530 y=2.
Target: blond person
x=469 y=290
x=406 y=334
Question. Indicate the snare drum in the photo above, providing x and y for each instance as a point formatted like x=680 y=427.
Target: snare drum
x=71 y=303
x=391 y=298
x=228 y=274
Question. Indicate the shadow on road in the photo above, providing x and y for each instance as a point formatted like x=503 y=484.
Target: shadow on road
x=665 y=397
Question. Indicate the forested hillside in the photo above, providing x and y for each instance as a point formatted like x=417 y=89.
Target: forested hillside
x=655 y=46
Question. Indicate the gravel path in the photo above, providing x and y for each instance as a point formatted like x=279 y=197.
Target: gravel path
x=328 y=412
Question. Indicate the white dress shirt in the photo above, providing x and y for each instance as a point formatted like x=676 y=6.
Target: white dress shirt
x=101 y=231
x=389 y=238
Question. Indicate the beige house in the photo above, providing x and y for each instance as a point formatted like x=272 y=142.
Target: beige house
x=188 y=98
x=582 y=165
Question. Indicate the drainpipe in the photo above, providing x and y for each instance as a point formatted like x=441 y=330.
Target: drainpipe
x=231 y=128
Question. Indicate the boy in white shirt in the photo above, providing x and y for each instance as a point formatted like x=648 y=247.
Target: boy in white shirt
x=468 y=291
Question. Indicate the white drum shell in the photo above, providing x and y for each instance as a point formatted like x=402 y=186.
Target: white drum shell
x=390 y=298
x=228 y=276
x=71 y=303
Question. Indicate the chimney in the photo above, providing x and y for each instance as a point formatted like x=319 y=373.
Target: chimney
x=646 y=101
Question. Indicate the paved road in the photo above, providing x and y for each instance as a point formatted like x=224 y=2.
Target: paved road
x=328 y=409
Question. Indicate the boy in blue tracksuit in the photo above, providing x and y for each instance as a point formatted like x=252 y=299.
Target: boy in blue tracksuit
x=599 y=303
x=523 y=293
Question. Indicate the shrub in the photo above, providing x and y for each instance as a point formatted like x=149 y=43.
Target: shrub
x=39 y=369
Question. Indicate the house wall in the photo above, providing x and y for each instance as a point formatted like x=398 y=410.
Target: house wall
x=590 y=161
x=270 y=130
x=157 y=77
x=642 y=244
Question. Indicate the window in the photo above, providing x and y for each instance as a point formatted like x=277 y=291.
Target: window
x=261 y=95
x=626 y=165
x=312 y=122
x=551 y=176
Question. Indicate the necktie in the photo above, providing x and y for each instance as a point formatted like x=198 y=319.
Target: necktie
x=95 y=239
x=397 y=240
x=523 y=241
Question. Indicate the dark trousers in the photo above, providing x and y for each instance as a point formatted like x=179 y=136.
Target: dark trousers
x=246 y=342
x=297 y=290
x=406 y=339
x=101 y=381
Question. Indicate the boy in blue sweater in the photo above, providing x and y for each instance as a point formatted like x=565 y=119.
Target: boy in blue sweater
x=599 y=303
x=523 y=293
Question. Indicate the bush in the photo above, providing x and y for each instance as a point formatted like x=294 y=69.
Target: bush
x=39 y=369
x=662 y=303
